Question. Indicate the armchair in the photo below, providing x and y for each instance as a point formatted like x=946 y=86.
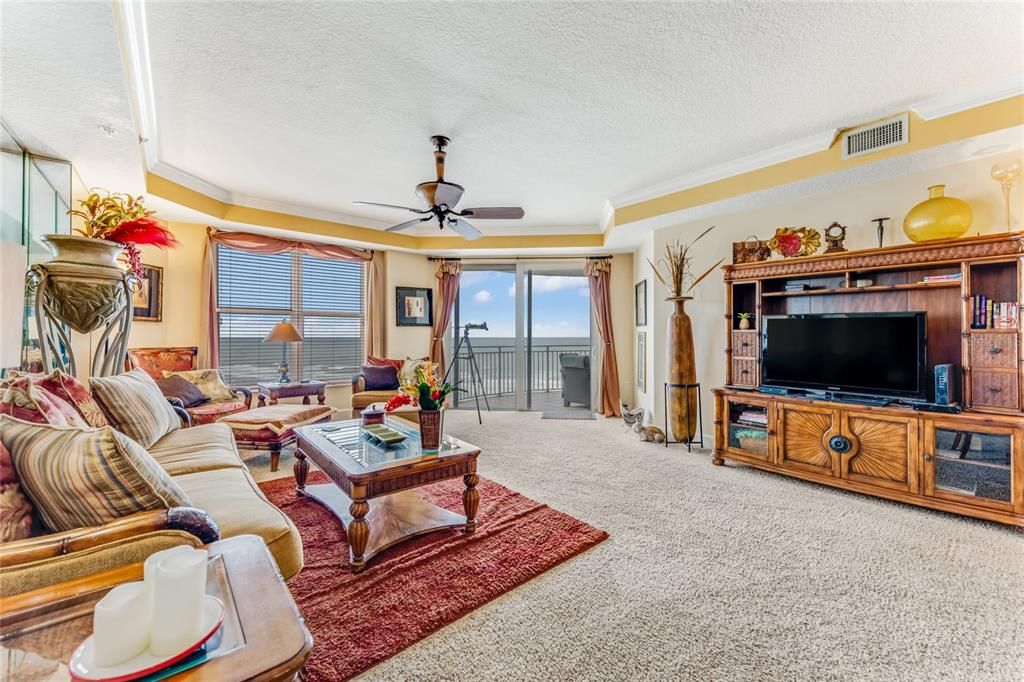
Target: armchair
x=155 y=361
x=575 y=378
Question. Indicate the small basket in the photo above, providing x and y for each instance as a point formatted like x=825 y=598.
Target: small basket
x=758 y=446
x=750 y=250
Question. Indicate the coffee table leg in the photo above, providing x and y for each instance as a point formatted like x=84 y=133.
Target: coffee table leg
x=301 y=469
x=470 y=500
x=358 y=533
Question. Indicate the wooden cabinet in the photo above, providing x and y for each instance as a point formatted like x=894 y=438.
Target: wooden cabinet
x=966 y=464
x=804 y=432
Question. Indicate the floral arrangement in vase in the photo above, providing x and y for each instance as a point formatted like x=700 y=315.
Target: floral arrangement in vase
x=678 y=277
x=123 y=219
x=428 y=392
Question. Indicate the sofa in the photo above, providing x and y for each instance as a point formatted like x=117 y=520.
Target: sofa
x=204 y=462
x=156 y=361
x=361 y=398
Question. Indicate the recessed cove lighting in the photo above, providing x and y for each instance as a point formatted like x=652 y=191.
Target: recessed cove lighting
x=108 y=131
x=993 y=149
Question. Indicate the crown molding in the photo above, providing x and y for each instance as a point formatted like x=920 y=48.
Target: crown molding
x=945 y=105
x=130 y=18
x=786 y=152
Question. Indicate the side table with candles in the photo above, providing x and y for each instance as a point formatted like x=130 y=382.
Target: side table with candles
x=263 y=636
x=274 y=391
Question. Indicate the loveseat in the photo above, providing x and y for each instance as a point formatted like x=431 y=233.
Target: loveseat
x=204 y=462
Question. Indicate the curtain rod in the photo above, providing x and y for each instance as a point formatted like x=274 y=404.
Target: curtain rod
x=495 y=258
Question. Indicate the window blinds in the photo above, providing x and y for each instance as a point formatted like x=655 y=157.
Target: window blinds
x=323 y=299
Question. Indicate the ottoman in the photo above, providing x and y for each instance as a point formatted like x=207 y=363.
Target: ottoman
x=272 y=428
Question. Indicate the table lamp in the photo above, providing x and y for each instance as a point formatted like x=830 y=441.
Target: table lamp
x=283 y=333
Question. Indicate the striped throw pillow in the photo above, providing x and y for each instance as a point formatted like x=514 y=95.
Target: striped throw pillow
x=135 y=406
x=78 y=477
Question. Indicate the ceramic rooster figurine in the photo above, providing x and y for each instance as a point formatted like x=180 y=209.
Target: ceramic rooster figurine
x=634 y=419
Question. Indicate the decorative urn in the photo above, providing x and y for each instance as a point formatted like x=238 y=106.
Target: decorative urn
x=938 y=217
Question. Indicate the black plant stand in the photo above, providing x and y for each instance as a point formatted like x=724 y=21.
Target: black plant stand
x=700 y=417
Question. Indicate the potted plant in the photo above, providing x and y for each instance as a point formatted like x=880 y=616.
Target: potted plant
x=429 y=393
x=744 y=319
x=112 y=224
x=682 y=371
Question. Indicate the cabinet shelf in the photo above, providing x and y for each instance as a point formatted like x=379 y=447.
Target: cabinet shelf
x=973 y=462
x=861 y=290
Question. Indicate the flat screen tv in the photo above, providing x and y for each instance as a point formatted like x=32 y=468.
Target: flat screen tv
x=872 y=354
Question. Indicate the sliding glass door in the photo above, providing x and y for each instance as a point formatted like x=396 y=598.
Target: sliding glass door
x=535 y=353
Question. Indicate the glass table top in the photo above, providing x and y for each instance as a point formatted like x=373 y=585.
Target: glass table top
x=355 y=451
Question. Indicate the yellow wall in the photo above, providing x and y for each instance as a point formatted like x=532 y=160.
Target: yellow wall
x=853 y=207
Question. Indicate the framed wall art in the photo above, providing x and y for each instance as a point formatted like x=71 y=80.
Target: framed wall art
x=641 y=303
x=148 y=300
x=641 y=361
x=414 y=307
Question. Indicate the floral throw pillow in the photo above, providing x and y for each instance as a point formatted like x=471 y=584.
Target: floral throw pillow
x=15 y=509
x=208 y=381
x=407 y=375
x=74 y=392
x=25 y=399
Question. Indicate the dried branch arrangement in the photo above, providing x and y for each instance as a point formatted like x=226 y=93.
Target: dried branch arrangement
x=678 y=278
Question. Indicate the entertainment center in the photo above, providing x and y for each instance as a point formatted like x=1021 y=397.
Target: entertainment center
x=868 y=421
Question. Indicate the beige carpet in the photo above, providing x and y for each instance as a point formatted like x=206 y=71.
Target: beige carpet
x=725 y=573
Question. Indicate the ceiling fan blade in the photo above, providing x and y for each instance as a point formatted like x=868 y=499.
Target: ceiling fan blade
x=495 y=213
x=464 y=229
x=407 y=224
x=404 y=208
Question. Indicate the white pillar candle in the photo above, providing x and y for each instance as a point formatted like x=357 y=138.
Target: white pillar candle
x=179 y=583
x=149 y=567
x=120 y=625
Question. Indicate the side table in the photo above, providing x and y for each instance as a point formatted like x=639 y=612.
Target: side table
x=264 y=637
x=273 y=391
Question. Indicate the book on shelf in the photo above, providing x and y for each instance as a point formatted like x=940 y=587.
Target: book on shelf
x=989 y=314
x=951 y=277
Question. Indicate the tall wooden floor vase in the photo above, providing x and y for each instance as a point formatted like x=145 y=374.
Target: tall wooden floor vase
x=681 y=370
x=82 y=297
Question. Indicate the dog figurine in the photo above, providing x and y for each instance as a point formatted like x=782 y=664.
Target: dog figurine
x=634 y=419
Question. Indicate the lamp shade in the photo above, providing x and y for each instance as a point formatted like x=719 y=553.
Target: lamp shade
x=283 y=332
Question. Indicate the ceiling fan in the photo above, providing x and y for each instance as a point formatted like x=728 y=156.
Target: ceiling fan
x=442 y=197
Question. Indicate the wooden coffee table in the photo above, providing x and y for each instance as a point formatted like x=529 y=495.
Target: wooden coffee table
x=370 y=488
x=263 y=636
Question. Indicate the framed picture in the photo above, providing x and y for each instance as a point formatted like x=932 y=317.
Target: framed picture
x=641 y=303
x=641 y=361
x=148 y=300
x=414 y=307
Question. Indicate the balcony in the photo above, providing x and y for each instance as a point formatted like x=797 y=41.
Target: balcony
x=497 y=370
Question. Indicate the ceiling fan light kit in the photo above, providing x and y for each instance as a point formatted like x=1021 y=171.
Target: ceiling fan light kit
x=441 y=198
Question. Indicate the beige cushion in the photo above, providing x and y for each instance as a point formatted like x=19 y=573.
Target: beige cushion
x=277 y=418
x=200 y=448
x=79 y=477
x=237 y=505
x=208 y=381
x=407 y=375
x=135 y=406
x=366 y=398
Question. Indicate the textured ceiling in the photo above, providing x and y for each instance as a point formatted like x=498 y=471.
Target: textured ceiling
x=555 y=106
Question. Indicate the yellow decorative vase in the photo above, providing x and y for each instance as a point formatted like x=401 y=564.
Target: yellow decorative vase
x=938 y=217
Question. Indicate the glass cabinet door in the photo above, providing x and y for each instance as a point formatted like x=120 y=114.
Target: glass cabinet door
x=748 y=423
x=971 y=465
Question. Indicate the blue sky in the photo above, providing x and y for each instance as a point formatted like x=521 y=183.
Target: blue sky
x=561 y=305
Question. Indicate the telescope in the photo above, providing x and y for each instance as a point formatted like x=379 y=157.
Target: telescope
x=482 y=326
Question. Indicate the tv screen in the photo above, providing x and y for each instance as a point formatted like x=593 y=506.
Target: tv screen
x=879 y=354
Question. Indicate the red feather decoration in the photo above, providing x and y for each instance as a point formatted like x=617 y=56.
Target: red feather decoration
x=145 y=230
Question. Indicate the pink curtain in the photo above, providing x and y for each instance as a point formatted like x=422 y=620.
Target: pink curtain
x=261 y=243
x=599 y=273
x=448 y=287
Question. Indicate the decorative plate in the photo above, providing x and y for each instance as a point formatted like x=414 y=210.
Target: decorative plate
x=795 y=241
x=81 y=666
x=384 y=434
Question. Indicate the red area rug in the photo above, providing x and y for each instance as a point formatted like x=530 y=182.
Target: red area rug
x=421 y=585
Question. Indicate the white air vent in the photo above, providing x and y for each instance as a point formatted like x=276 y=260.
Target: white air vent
x=871 y=138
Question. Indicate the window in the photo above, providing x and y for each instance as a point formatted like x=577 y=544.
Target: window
x=322 y=298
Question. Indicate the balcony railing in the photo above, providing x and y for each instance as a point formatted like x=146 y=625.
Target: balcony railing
x=497 y=366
